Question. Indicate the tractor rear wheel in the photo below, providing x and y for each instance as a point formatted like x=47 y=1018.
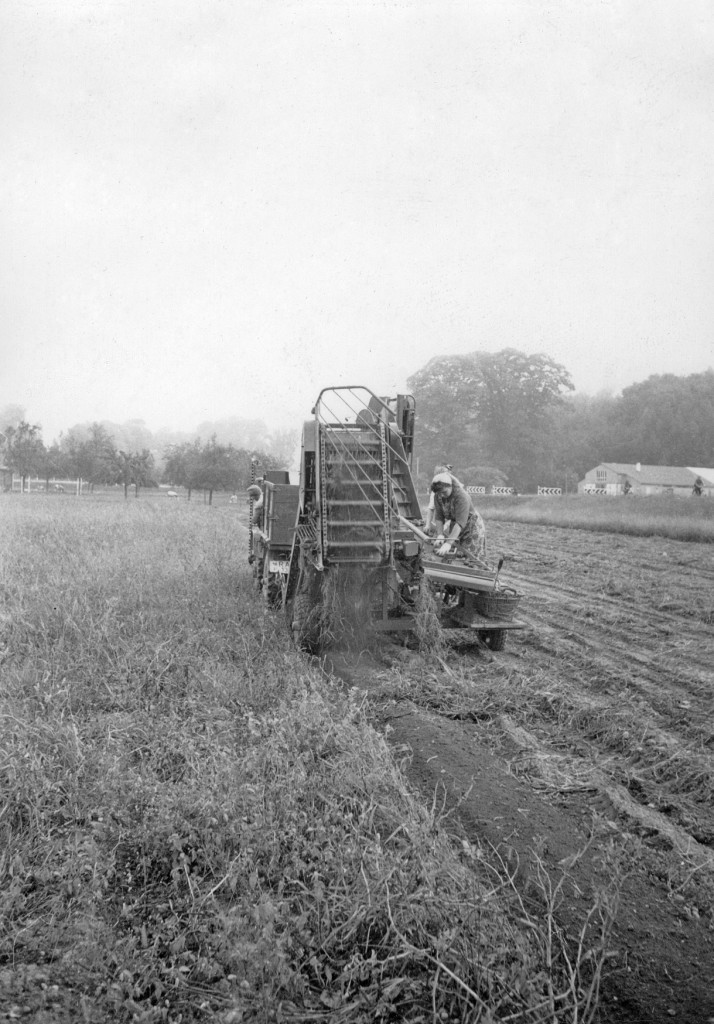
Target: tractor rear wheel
x=495 y=639
x=305 y=613
x=272 y=590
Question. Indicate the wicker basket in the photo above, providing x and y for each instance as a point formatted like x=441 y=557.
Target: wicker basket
x=497 y=604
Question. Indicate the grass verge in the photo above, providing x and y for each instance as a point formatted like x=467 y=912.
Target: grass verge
x=686 y=519
x=195 y=826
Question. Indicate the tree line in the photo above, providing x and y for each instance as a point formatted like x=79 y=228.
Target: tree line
x=510 y=417
x=92 y=456
x=505 y=417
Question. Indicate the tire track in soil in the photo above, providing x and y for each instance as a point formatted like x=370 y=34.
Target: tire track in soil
x=632 y=671
x=670 y=767
x=464 y=764
x=617 y=660
x=673 y=679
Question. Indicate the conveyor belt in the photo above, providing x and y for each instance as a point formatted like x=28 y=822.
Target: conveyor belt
x=454 y=574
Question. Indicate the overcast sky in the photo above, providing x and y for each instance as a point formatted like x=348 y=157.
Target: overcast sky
x=218 y=207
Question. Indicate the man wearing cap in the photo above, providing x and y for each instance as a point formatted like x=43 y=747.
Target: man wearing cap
x=466 y=528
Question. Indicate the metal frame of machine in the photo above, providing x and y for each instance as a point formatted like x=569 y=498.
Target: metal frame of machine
x=356 y=511
x=270 y=544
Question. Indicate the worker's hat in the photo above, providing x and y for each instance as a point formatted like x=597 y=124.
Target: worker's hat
x=443 y=478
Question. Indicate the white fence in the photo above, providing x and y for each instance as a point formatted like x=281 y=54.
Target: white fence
x=56 y=485
x=474 y=489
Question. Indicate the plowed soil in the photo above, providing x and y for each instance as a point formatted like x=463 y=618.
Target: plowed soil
x=592 y=733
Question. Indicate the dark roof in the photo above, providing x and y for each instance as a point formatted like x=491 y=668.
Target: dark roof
x=664 y=476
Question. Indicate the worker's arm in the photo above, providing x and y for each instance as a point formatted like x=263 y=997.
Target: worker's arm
x=446 y=542
x=454 y=533
x=453 y=529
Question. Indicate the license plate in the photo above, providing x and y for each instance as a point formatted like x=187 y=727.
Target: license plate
x=275 y=566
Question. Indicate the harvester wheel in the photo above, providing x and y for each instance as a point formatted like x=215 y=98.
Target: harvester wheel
x=272 y=590
x=257 y=575
x=495 y=639
x=306 y=611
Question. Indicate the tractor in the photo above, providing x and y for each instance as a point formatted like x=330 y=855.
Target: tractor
x=272 y=524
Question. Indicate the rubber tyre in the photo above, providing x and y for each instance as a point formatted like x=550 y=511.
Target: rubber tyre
x=271 y=591
x=495 y=639
x=258 y=574
x=305 y=613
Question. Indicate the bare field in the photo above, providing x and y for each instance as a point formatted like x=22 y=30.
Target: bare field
x=595 y=724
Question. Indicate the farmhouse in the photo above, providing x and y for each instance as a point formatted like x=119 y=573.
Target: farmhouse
x=625 y=477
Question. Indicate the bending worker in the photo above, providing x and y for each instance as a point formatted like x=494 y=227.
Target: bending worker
x=429 y=526
x=466 y=528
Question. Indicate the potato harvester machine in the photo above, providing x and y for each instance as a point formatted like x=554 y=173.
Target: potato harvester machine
x=353 y=527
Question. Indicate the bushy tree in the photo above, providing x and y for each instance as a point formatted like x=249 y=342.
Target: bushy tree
x=54 y=463
x=90 y=454
x=24 y=450
x=135 y=469
x=664 y=420
x=210 y=466
x=217 y=468
x=582 y=430
x=180 y=460
x=490 y=409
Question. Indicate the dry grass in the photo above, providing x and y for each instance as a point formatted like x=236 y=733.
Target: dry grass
x=195 y=826
x=680 y=518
